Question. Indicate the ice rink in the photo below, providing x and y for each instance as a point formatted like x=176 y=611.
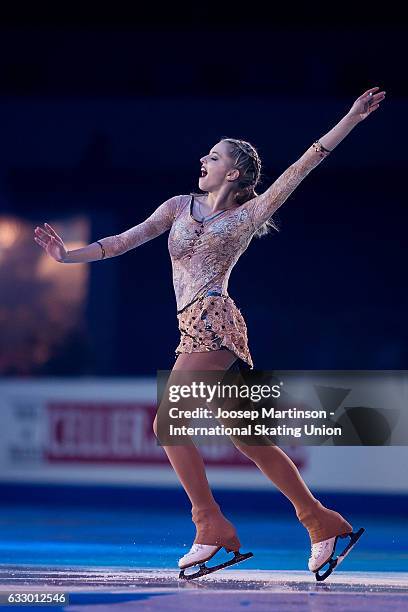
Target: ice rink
x=121 y=559
x=130 y=588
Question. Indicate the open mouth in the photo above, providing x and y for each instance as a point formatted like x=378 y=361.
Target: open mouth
x=203 y=173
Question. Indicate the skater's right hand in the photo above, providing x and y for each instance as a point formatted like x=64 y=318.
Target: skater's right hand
x=51 y=242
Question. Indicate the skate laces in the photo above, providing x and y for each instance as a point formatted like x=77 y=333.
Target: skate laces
x=316 y=549
x=196 y=547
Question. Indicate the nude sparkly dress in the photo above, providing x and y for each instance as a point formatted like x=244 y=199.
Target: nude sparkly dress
x=203 y=254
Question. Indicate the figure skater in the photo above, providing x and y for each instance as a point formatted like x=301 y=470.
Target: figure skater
x=208 y=233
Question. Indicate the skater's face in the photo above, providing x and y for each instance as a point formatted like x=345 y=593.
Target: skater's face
x=219 y=168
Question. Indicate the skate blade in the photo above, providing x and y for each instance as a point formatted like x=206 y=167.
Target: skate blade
x=204 y=570
x=333 y=563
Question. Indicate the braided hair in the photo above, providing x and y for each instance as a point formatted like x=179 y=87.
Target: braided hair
x=248 y=162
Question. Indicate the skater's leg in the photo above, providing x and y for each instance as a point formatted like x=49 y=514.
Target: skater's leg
x=212 y=527
x=320 y=521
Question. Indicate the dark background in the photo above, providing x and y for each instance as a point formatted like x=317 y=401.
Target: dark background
x=108 y=114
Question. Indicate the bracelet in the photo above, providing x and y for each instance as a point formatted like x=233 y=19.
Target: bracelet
x=103 y=250
x=319 y=148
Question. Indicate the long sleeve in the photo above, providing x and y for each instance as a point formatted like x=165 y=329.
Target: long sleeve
x=158 y=222
x=262 y=207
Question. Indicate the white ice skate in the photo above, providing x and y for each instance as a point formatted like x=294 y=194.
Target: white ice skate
x=199 y=554
x=322 y=553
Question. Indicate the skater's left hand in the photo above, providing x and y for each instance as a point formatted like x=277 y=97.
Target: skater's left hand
x=368 y=102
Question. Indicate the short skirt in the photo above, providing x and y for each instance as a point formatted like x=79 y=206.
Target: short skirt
x=211 y=322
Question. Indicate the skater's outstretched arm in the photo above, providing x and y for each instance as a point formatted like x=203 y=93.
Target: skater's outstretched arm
x=158 y=222
x=262 y=207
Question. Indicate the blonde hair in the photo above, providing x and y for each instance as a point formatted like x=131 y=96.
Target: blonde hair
x=248 y=162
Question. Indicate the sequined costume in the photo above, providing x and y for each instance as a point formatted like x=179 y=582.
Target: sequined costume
x=203 y=254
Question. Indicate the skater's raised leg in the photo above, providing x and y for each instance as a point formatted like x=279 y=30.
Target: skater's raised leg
x=325 y=526
x=321 y=522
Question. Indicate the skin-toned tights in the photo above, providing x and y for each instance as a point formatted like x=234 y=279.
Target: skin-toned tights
x=212 y=527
